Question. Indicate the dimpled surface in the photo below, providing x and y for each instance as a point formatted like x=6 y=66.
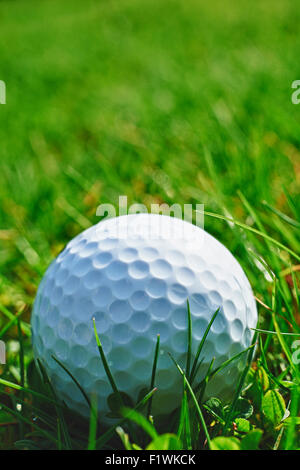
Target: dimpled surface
x=134 y=274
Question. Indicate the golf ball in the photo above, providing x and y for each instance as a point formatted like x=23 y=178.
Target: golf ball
x=133 y=275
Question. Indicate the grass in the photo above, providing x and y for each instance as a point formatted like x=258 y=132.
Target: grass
x=162 y=101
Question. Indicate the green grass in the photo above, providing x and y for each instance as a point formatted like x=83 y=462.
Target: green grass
x=162 y=101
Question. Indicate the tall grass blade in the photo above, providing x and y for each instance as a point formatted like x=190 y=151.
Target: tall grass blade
x=60 y=416
x=12 y=322
x=184 y=427
x=283 y=216
x=154 y=367
x=200 y=347
x=251 y=229
x=73 y=378
x=29 y=422
x=189 y=332
x=7 y=383
x=104 y=361
x=194 y=399
x=239 y=388
x=93 y=423
x=110 y=432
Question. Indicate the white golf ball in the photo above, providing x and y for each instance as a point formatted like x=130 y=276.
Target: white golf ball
x=133 y=274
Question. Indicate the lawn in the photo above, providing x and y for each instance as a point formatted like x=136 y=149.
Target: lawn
x=165 y=101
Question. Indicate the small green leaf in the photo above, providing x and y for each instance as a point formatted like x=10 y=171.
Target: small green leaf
x=243 y=409
x=165 y=442
x=287 y=383
x=263 y=379
x=273 y=406
x=251 y=440
x=225 y=443
x=214 y=406
x=243 y=425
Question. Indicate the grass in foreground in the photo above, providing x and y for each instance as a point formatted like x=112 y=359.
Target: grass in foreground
x=104 y=99
x=263 y=413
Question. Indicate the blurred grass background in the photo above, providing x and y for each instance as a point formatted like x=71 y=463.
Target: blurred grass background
x=160 y=100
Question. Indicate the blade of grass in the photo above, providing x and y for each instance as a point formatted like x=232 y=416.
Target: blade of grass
x=288 y=236
x=194 y=399
x=285 y=295
x=274 y=332
x=7 y=383
x=200 y=347
x=140 y=420
x=110 y=432
x=74 y=380
x=259 y=224
x=263 y=358
x=204 y=382
x=222 y=366
x=283 y=216
x=290 y=202
x=58 y=409
x=25 y=326
x=110 y=376
x=189 y=331
x=297 y=293
x=251 y=229
x=22 y=370
x=21 y=353
x=184 y=428
x=264 y=364
x=105 y=363
x=93 y=423
x=12 y=322
x=214 y=414
x=279 y=334
x=31 y=423
x=278 y=440
x=284 y=346
x=154 y=367
x=239 y=389
x=59 y=441
x=275 y=379
x=42 y=415
x=291 y=430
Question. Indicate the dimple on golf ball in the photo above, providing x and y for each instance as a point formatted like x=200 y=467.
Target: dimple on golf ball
x=133 y=274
